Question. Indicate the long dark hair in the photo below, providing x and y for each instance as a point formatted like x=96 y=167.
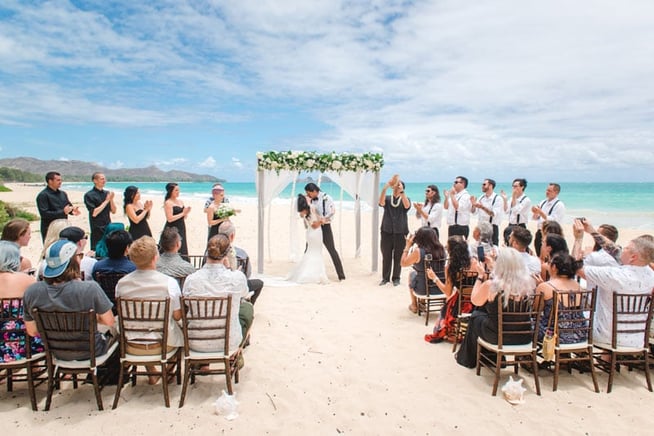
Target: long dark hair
x=427 y=239
x=169 y=189
x=459 y=256
x=128 y=195
x=437 y=196
x=302 y=204
x=557 y=243
x=566 y=265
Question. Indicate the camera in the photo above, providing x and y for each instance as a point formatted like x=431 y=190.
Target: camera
x=428 y=257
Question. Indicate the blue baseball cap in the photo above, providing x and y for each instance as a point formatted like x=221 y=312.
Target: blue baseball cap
x=57 y=258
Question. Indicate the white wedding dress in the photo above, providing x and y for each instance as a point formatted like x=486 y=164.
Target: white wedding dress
x=311 y=268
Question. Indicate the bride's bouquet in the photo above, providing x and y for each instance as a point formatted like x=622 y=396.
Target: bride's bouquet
x=224 y=211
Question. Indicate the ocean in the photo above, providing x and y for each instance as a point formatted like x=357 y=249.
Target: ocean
x=626 y=205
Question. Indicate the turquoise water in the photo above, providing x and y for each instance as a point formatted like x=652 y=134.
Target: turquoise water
x=622 y=204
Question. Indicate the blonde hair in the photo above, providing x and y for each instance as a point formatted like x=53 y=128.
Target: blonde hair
x=52 y=235
x=143 y=251
x=510 y=275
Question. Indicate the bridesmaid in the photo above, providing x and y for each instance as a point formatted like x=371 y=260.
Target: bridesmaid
x=137 y=212
x=176 y=213
x=218 y=194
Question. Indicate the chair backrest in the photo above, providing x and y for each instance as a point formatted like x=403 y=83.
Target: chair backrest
x=107 y=282
x=206 y=319
x=465 y=283
x=574 y=312
x=516 y=321
x=632 y=315
x=68 y=335
x=143 y=322
x=197 y=260
x=438 y=266
x=12 y=327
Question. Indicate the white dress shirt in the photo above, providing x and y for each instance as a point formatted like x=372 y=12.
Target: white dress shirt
x=493 y=203
x=519 y=213
x=460 y=216
x=554 y=209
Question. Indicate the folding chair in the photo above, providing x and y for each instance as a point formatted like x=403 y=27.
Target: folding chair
x=464 y=304
x=207 y=319
x=632 y=315
x=429 y=303
x=144 y=326
x=197 y=260
x=70 y=339
x=515 y=319
x=107 y=282
x=32 y=367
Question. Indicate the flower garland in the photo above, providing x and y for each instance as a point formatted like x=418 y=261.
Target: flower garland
x=312 y=161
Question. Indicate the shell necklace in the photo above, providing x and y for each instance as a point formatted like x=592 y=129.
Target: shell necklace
x=399 y=200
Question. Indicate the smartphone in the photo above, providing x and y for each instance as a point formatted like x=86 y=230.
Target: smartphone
x=581 y=218
x=480 y=253
x=428 y=257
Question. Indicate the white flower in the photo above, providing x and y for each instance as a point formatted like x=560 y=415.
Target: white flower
x=310 y=163
x=259 y=155
x=337 y=165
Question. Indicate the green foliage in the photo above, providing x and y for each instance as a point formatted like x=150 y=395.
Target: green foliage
x=16 y=175
x=3 y=188
x=7 y=212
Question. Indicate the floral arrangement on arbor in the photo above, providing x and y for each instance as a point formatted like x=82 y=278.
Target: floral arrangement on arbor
x=312 y=161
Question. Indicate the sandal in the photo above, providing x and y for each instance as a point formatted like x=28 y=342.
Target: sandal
x=413 y=308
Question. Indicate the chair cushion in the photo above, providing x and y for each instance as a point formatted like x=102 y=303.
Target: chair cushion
x=134 y=358
x=507 y=348
x=606 y=346
x=79 y=364
x=574 y=346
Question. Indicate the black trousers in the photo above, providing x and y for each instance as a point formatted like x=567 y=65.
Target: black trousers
x=328 y=241
x=456 y=229
x=392 y=245
x=496 y=235
x=255 y=285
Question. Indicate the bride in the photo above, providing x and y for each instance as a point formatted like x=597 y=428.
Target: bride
x=311 y=268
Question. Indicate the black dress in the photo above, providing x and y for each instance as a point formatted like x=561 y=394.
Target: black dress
x=181 y=229
x=142 y=228
x=483 y=323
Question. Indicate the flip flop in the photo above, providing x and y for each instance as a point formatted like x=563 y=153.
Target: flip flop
x=413 y=308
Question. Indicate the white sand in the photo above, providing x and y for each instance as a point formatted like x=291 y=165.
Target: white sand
x=347 y=357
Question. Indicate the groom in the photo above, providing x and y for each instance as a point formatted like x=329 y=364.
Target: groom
x=325 y=208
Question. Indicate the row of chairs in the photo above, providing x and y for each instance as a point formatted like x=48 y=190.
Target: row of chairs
x=632 y=314
x=145 y=323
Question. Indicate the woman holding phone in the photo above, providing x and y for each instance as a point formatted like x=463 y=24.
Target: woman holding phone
x=427 y=251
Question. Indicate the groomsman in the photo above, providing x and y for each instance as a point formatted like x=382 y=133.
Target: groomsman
x=489 y=208
x=325 y=208
x=53 y=203
x=518 y=209
x=550 y=209
x=100 y=204
x=458 y=204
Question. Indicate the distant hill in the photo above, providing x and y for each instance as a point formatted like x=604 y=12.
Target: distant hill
x=76 y=170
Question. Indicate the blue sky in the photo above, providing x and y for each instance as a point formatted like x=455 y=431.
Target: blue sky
x=554 y=90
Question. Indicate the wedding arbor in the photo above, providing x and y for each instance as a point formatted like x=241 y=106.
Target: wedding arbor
x=356 y=174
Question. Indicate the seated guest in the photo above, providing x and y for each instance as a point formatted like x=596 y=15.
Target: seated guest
x=562 y=272
x=118 y=243
x=458 y=261
x=50 y=238
x=510 y=281
x=551 y=245
x=426 y=244
x=215 y=279
x=62 y=290
x=101 y=250
x=12 y=285
x=148 y=283
x=17 y=230
x=236 y=254
x=605 y=252
x=482 y=235
x=634 y=276
x=520 y=239
x=78 y=237
x=170 y=262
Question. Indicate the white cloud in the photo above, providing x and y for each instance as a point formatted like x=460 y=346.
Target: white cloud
x=117 y=165
x=236 y=163
x=209 y=162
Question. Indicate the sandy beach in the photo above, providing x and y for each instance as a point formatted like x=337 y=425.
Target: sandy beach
x=342 y=358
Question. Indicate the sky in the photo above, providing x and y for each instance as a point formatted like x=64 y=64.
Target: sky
x=546 y=90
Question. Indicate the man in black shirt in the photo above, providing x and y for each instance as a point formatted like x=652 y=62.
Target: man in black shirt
x=100 y=204
x=53 y=203
x=394 y=228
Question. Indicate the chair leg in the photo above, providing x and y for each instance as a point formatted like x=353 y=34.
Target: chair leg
x=120 y=385
x=52 y=374
x=164 y=382
x=30 y=385
x=611 y=372
x=478 y=359
x=228 y=376
x=457 y=331
x=647 y=376
x=96 y=388
x=592 y=369
x=498 y=360
x=534 y=366
x=557 y=368
x=10 y=380
x=187 y=376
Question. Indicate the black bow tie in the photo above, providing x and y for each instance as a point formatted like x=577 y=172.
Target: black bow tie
x=314 y=199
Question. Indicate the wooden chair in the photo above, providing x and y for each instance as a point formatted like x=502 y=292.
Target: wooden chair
x=30 y=369
x=197 y=260
x=515 y=319
x=632 y=315
x=465 y=283
x=428 y=303
x=208 y=319
x=73 y=335
x=107 y=282
x=144 y=324
x=574 y=311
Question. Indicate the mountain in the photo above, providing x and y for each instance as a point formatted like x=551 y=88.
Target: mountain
x=76 y=170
